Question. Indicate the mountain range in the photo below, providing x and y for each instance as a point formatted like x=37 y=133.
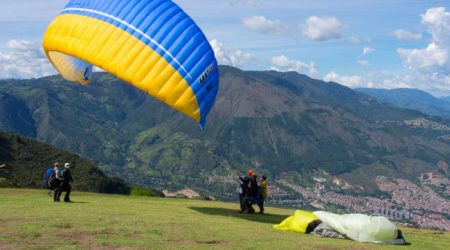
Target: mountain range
x=284 y=125
x=412 y=99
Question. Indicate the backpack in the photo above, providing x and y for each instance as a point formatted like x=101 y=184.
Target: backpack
x=52 y=181
x=49 y=178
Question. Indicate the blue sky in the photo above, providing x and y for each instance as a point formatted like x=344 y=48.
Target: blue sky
x=358 y=43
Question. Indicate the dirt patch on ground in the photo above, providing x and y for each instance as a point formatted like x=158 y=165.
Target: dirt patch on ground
x=85 y=240
x=203 y=242
x=180 y=241
x=7 y=235
x=7 y=246
x=327 y=247
x=110 y=248
x=210 y=242
x=13 y=220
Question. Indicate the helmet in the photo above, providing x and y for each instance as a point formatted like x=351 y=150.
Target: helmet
x=250 y=172
x=67 y=165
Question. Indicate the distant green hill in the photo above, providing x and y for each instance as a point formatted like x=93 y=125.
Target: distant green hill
x=25 y=161
x=411 y=99
x=285 y=125
x=30 y=220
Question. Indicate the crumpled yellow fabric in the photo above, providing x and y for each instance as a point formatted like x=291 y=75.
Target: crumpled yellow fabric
x=297 y=222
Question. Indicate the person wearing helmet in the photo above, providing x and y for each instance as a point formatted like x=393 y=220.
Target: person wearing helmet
x=253 y=191
x=250 y=194
x=66 y=183
x=244 y=181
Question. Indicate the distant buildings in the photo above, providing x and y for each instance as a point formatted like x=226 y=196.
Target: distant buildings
x=394 y=214
x=430 y=178
x=319 y=188
x=319 y=179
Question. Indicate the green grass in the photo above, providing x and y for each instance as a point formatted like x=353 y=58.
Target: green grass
x=29 y=219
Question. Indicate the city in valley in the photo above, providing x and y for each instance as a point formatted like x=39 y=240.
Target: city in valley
x=424 y=205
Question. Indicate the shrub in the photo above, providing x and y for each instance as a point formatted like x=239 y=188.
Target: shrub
x=4 y=182
x=139 y=191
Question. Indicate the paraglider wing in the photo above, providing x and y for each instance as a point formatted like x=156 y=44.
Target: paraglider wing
x=301 y=222
x=361 y=227
x=152 y=44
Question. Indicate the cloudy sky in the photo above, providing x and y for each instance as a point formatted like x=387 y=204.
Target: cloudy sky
x=358 y=43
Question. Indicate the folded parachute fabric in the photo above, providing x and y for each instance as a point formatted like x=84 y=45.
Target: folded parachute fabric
x=300 y=222
x=363 y=228
x=325 y=231
x=358 y=227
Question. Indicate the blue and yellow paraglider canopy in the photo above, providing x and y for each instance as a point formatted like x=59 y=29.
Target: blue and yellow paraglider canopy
x=152 y=44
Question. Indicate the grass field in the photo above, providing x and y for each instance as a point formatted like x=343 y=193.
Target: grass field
x=29 y=219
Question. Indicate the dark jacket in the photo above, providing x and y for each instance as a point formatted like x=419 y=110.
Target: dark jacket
x=67 y=176
x=253 y=188
x=245 y=181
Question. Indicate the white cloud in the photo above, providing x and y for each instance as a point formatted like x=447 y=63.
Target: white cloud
x=354 y=81
x=363 y=62
x=322 y=28
x=250 y=4
x=358 y=39
x=430 y=66
x=433 y=55
x=434 y=59
x=386 y=80
x=405 y=35
x=283 y=63
x=438 y=22
x=227 y=57
x=263 y=25
x=368 y=50
x=24 y=59
x=244 y=3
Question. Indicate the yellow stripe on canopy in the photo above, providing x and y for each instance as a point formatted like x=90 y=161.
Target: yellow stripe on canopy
x=116 y=51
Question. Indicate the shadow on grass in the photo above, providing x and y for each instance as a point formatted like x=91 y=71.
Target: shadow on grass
x=80 y=202
x=263 y=218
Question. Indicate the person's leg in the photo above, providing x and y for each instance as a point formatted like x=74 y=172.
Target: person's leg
x=250 y=209
x=261 y=205
x=240 y=202
x=249 y=203
x=245 y=204
x=67 y=196
x=57 y=194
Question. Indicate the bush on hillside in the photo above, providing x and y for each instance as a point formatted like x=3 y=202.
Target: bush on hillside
x=4 y=183
x=140 y=191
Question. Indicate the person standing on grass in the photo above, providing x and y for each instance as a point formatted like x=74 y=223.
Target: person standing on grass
x=56 y=182
x=244 y=182
x=254 y=189
x=263 y=194
x=66 y=183
x=49 y=178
